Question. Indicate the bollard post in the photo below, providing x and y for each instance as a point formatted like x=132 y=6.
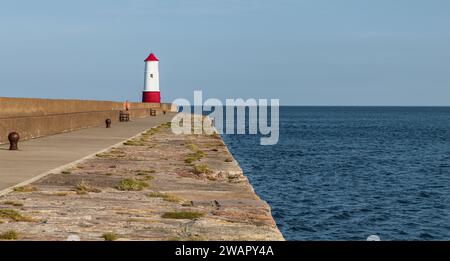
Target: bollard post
x=13 y=138
x=108 y=123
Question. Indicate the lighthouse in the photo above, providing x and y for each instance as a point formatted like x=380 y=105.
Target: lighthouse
x=151 y=91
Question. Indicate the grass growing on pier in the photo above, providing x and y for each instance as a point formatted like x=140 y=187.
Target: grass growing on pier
x=202 y=169
x=166 y=125
x=14 y=215
x=13 y=203
x=148 y=133
x=9 y=235
x=188 y=204
x=83 y=188
x=192 y=147
x=132 y=185
x=183 y=215
x=113 y=153
x=135 y=142
x=196 y=155
x=26 y=188
x=110 y=236
x=165 y=197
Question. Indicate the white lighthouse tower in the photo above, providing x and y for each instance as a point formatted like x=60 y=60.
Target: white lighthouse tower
x=151 y=91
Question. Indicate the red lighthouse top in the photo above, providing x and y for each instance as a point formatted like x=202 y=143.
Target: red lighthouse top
x=151 y=58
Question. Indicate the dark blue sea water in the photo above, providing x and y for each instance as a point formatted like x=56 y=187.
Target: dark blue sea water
x=344 y=173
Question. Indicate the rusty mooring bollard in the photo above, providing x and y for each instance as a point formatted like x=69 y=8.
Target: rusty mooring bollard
x=13 y=138
x=108 y=123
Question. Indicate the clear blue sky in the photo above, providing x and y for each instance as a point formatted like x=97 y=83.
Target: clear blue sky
x=315 y=52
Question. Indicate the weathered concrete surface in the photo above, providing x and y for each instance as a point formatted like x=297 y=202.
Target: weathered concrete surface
x=38 y=156
x=41 y=117
x=86 y=200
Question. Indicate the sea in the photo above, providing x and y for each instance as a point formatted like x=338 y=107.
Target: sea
x=345 y=173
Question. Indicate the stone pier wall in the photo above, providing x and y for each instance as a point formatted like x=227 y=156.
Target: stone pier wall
x=156 y=186
x=41 y=117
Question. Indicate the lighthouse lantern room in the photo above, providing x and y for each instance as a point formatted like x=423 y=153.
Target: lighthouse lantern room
x=151 y=91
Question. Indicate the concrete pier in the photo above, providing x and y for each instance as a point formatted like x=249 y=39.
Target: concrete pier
x=152 y=186
x=36 y=157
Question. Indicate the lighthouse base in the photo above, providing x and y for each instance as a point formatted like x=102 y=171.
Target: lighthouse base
x=154 y=97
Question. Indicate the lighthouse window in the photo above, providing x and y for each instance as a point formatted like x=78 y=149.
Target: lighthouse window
x=151 y=75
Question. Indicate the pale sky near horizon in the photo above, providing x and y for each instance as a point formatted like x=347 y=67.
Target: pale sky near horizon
x=304 y=52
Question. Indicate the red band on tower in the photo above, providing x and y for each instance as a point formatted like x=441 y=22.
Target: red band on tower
x=151 y=97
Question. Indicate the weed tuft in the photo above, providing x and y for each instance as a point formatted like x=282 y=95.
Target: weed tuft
x=26 y=188
x=132 y=185
x=110 y=236
x=83 y=188
x=9 y=235
x=202 y=169
x=192 y=147
x=13 y=203
x=14 y=215
x=183 y=215
x=135 y=142
x=165 y=197
x=195 y=156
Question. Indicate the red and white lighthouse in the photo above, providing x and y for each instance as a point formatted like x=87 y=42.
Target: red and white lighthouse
x=151 y=91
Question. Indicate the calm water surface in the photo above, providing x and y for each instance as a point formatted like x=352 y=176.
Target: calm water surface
x=344 y=173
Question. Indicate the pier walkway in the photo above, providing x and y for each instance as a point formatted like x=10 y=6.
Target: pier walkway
x=38 y=157
x=158 y=186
